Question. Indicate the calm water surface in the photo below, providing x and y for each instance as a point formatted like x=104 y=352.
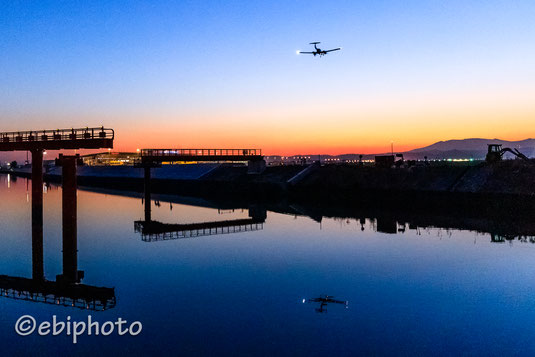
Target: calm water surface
x=418 y=292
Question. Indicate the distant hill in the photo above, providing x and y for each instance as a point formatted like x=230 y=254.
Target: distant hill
x=468 y=148
x=475 y=144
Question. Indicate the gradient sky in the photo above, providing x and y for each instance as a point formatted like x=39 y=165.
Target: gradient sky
x=226 y=73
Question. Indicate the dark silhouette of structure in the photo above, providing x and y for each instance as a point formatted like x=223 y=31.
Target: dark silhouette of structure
x=37 y=142
x=384 y=161
x=150 y=158
x=495 y=153
x=66 y=288
x=318 y=51
x=157 y=156
x=59 y=139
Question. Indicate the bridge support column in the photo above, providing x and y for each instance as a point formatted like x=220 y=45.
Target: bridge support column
x=147 y=190
x=256 y=166
x=37 y=215
x=69 y=218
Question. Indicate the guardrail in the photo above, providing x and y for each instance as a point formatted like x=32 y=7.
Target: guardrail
x=57 y=135
x=199 y=232
x=200 y=152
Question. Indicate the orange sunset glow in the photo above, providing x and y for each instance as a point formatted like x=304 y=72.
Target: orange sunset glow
x=446 y=75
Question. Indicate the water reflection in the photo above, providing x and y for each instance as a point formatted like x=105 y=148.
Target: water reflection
x=325 y=300
x=500 y=227
x=497 y=231
x=152 y=231
x=420 y=293
x=67 y=289
x=63 y=291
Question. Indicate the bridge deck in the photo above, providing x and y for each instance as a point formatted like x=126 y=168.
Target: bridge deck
x=170 y=155
x=85 y=138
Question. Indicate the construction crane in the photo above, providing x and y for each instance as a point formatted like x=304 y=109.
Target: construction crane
x=495 y=153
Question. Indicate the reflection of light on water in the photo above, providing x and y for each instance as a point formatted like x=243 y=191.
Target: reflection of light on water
x=8 y=180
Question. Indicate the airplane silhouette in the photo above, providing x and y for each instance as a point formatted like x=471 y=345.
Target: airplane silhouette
x=318 y=51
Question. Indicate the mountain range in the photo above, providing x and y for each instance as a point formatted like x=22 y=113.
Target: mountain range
x=475 y=148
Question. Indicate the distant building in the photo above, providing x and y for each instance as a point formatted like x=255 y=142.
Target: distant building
x=384 y=161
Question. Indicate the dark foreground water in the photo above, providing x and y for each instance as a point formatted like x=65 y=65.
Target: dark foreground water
x=420 y=291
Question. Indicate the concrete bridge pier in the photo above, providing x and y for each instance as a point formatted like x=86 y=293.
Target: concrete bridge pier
x=37 y=215
x=147 y=190
x=71 y=274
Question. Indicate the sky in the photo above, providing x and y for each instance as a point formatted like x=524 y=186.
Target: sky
x=225 y=74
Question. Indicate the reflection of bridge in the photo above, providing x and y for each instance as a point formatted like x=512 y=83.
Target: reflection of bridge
x=156 y=231
x=501 y=224
x=152 y=231
x=66 y=290
x=51 y=292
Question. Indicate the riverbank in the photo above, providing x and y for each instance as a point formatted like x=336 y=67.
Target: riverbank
x=510 y=180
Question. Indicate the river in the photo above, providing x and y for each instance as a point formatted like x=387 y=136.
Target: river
x=248 y=288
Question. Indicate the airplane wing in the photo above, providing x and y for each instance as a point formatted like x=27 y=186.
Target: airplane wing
x=305 y=53
x=334 y=49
